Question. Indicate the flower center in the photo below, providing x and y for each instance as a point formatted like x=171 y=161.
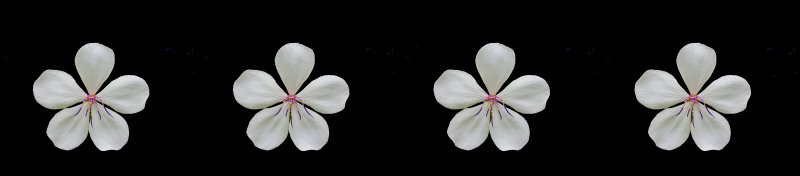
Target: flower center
x=296 y=102
x=492 y=103
x=95 y=101
x=693 y=100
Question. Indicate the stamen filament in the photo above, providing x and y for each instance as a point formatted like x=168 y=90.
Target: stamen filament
x=679 y=112
x=701 y=114
x=279 y=109
x=98 y=114
x=488 y=110
x=93 y=101
x=295 y=102
x=309 y=113
x=109 y=113
x=479 y=111
x=507 y=111
x=492 y=103
x=79 y=110
x=499 y=113
x=298 y=113
x=693 y=100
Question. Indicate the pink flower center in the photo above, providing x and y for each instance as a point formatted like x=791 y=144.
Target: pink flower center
x=92 y=100
x=493 y=102
x=693 y=100
x=295 y=101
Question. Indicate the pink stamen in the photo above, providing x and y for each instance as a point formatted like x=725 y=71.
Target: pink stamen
x=701 y=114
x=493 y=102
x=709 y=111
x=279 y=110
x=690 y=110
x=87 y=111
x=95 y=101
x=488 y=110
x=501 y=115
x=309 y=113
x=298 y=113
x=693 y=100
x=79 y=110
x=507 y=111
x=479 y=110
x=98 y=114
x=109 y=113
x=679 y=112
x=295 y=101
x=287 y=111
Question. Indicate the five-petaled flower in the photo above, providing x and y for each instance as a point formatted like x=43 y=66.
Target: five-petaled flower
x=256 y=89
x=56 y=89
x=457 y=89
x=671 y=127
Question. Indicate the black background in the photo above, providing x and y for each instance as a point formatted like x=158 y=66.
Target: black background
x=390 y=61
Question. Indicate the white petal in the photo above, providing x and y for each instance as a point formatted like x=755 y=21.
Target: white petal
x=669 y=130
x=495 y=62
x=308 y=132
x=728 y=94
x=527 y=94
x=294 y=62
x=456 y=89
x=94 y=62
x=711 y=133
x=696 y=62
x=326 y=94
x=126 y=94
x=68 y=130
x=55 y=89
x=468 y=130
x=108 y=132
x=256 y=89
x=268 y=128
x=509 y=133
x=657 y=89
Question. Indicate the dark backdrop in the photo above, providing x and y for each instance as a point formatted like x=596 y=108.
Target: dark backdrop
x=390 y=64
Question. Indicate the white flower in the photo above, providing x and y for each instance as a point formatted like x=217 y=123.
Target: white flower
x=457 y=89
x=657 y=89
x=56 y=89
x=256 y=89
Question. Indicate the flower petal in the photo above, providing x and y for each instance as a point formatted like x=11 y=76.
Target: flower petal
x=94 y=62
x=657 y=89
x=108 y=132
x=527 y=94
x=68 y=130
x=256 y=89
x=55 y=89
x=294 y=62
x=669 y=130
x=468 y=130
x=696 y=62
x=509 y=133
x=728 y=94
x=126 y=94
x=456 y=89
x=308 y=133
x=495 y=62
x=268 y=129
x=711 y=133
x=326 y=94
